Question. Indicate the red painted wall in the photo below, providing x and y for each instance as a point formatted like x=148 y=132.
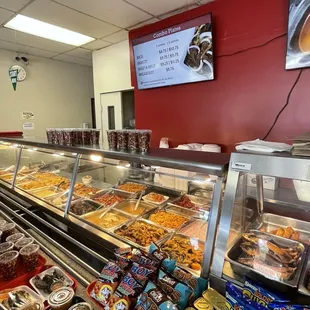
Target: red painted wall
x=250 y=87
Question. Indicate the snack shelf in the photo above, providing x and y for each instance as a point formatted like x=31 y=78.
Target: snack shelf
x=72 y=212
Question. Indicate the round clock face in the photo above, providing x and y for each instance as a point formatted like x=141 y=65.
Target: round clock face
x=22 y=73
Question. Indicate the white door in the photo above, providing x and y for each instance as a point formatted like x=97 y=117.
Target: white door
x=111 y=113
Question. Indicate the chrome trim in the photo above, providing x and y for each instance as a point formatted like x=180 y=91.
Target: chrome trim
x=58 y=231
x=260 y=193
x=64 y=265
x=72 y=184
x=17 y=166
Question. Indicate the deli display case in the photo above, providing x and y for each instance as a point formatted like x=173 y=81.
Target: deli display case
x=100 y=200
x=264 y=229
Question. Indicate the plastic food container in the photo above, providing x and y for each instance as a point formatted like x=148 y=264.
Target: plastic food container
x=133 y=141
x=61 y=299
x=122 y=140
x=8 y=264
x=2 y=223
x=15 y=237
x=68 y=136
x=144 y=140
x=7 y=230
x=6 y=246
x=49 y=135
x=81 y=306
x=60 y=136
x=112 y=139
x=23 y=242
x=30 y=255
x=86 y=137
x=94 y=136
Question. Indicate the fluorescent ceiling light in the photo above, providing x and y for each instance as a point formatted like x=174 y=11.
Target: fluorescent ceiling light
x=48 y=31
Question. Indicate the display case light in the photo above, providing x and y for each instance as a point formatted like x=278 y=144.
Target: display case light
x=95 y=158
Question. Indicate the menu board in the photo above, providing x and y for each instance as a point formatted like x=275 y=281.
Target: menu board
x=176 y=55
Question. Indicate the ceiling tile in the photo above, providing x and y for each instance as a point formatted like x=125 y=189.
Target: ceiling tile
x=56 y=14
x=5 y=15
x=76 y=60
x=97 y=45
x=117 y=36
x=159 y=7
x=13 y=5
x=33 y=41
x=150 y=21
x=178 y=11
x=25 y=49
x=116 y=12
x=81 y=52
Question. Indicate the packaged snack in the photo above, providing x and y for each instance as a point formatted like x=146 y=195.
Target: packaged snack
x=141 y=274
x=202 y=304
x=196 y=283
x=280 y=306
x=123 y=262
x=126 y=294
x=154 y=298
x=177 y=291
x=123 y=251
x=107 y=283
x=260 y=295
x=162 y=258
x=144 y=260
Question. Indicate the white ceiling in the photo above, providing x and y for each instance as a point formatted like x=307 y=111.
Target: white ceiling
x=108 y=21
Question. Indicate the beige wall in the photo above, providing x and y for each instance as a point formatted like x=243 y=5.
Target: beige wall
x=58 y=93
x=111 y=72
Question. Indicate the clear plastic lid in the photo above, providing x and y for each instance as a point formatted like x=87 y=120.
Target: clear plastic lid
x=8 y=226
x=6 y=246
x=15 y=237
x=23 y=242
x=60 y=297
x=29 y=249
x=8 y=256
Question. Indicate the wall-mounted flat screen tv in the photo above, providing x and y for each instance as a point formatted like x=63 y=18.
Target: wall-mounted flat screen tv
x=298 y=41
x=176 y=55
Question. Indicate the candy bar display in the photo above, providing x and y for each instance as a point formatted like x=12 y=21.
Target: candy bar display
x=73 y=136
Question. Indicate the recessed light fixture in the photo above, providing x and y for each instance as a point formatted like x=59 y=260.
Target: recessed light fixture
x=48 y=31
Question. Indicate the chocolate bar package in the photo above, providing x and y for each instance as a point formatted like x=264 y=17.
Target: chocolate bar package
x=153 y=298
x=106 y=284
x=280 y=306
x=144 y=260
x=260 y=295
x=196 y=283
x=179 y=292
x=126 y=294
x=142 y=274
x=165 y=262
x=123 y=262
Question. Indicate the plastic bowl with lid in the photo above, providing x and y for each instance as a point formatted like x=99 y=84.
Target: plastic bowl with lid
x=23 y=242
x=81 y=306
x=61 y=299
x=7 y=230
x=2 y=223
x=6 y=246
x=8 y=264
x=15 y=237
x=30 y=256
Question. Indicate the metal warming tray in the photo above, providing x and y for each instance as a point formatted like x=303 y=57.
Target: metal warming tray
x=137 y=245
x=269 y=222
x=47 y=188
x=169 y=209
x=132 y=202
x=51 y=199
x=90 y=206
x=197 y=243
x=87 y=217
x=133 y=194
x=235 y=252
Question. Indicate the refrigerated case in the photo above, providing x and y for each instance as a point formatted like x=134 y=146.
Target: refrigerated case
x=264 y=230
x=101 y=200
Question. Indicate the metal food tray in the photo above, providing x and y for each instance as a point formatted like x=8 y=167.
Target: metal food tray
x=49 y=199
x=133 y=194
x=99 y=212
x=136 y=245
x=67 y=280
x=84 y=200
x=185 y=266
x=270 y=222
x=304 y=278
x=145 y=198
x=110 y=191
x=169 y=209
x=143 y=204
x=52 y=188
x=235 y=252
